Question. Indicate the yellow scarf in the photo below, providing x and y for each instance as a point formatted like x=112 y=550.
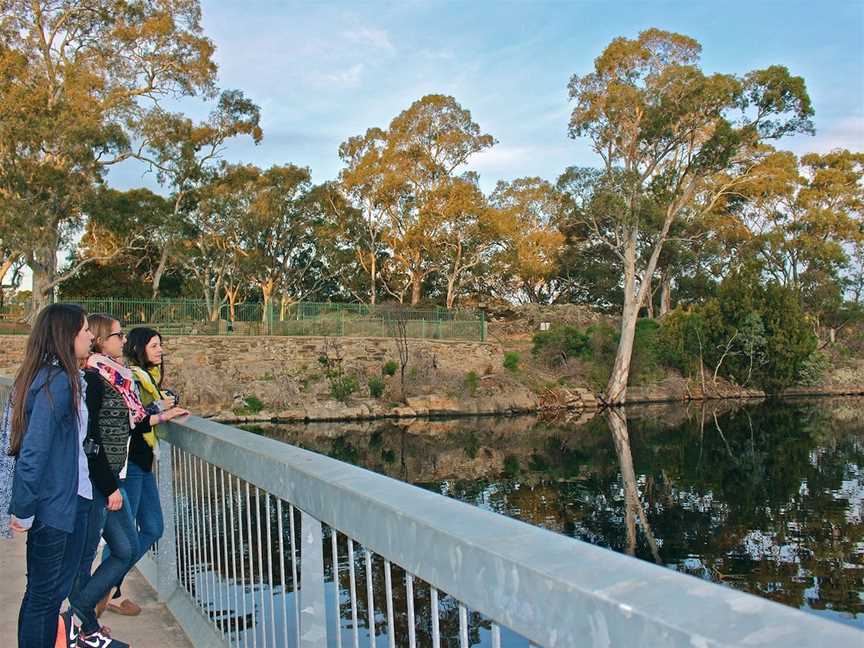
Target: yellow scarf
x=148 y=381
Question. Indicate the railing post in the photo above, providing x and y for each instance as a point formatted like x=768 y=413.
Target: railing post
x=313 y=621
x=166 y=556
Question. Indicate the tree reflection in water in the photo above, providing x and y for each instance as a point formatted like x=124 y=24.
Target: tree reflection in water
x=767 y=498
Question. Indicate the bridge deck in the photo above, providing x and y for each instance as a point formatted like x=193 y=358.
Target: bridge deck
x=154 y=628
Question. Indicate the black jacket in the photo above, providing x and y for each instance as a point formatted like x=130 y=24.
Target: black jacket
x=104 y=478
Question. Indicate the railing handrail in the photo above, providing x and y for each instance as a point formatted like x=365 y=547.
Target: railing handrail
x=555 y=590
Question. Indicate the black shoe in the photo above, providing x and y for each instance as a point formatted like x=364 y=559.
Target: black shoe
x=99 y=640
x=71 y=628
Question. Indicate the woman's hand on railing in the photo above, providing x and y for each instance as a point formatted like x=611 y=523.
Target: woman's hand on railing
x=174 y=412
x=164 y=417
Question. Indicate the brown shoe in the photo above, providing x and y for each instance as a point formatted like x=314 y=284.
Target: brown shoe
x=125 y=607
x=100 y=606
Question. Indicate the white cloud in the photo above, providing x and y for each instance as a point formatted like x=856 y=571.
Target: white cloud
x=347 y=78
x=844 y=133
x=376 y=39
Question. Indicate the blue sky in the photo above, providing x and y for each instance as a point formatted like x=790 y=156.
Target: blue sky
x=323 y=72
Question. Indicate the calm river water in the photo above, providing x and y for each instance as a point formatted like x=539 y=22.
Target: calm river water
x=766 y=497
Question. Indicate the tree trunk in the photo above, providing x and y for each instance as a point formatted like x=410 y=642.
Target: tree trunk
x=665 y=295
x=373 y=276
x=416 y=288
x=616 y=388
x=43 y=264
x=451 y=291
x=632 y=503
x=267 y=293
x=649 y=300
x=160 y=270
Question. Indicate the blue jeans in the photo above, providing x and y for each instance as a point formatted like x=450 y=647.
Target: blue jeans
x=53 y=558
x=118 y=529
x=143 y=497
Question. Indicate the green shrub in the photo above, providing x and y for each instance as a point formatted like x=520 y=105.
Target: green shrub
x=511 y=466
x=756 y=334
x=511 y=361
x=558 y=345
x=390 y=367
x=341 y=387
x=538 y=463
x=472 y=382
x=376 y=387
x=253 y=404
x=813 y=369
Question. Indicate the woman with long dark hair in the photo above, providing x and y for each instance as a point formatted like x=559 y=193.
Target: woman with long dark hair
x=51 y=490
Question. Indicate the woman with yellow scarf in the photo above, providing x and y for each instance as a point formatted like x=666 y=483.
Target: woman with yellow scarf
x=143 y=352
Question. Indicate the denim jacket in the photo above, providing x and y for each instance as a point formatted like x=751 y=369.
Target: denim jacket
x=45 y=483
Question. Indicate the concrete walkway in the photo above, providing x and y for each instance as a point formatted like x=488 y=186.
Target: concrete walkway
x=154 y=628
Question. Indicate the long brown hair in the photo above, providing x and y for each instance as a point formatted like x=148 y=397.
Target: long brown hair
x=51 y=342
x=100 y=327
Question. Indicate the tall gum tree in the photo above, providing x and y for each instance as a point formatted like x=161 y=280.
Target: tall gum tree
x=407 y=173
x=186 y=156
x=666 y=130
x=77 y=77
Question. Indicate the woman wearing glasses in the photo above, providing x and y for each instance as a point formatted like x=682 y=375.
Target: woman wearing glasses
x=115 y=415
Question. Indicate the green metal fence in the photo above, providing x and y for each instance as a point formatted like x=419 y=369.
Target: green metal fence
x=193 y=317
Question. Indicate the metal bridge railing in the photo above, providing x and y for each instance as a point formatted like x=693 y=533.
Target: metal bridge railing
x=269 y=545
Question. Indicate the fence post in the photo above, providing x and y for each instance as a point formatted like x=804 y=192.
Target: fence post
x=166 y=555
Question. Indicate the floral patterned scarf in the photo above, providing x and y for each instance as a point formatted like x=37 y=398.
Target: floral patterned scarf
x=122 y=380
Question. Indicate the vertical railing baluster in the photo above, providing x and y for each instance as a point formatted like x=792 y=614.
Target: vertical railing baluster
x=463 y=626
x=184 y=516
x=412 y=624
x=388 y=586
x=263 y=607
x=270 y=569
x=183 y=536
x=334 y=546
x=167 y=558
x=295 y=582
x=496 y=636
x=241 y=590
x=205 y=601
x=211 y=528
x=251 y=567
x=227 y=598
x=193 y=520
x=282 y=570
x=219 y=506
x=370 y=601
x=313 y=617
x=200 y=581
x=433 y=611
x=353 y=583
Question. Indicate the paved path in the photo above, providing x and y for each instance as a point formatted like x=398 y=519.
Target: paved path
x=154 y=628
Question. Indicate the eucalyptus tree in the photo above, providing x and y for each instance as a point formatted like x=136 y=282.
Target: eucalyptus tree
x=677 y=139
x=77 y=77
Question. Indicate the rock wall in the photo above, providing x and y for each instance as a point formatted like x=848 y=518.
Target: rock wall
x=214 y=374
